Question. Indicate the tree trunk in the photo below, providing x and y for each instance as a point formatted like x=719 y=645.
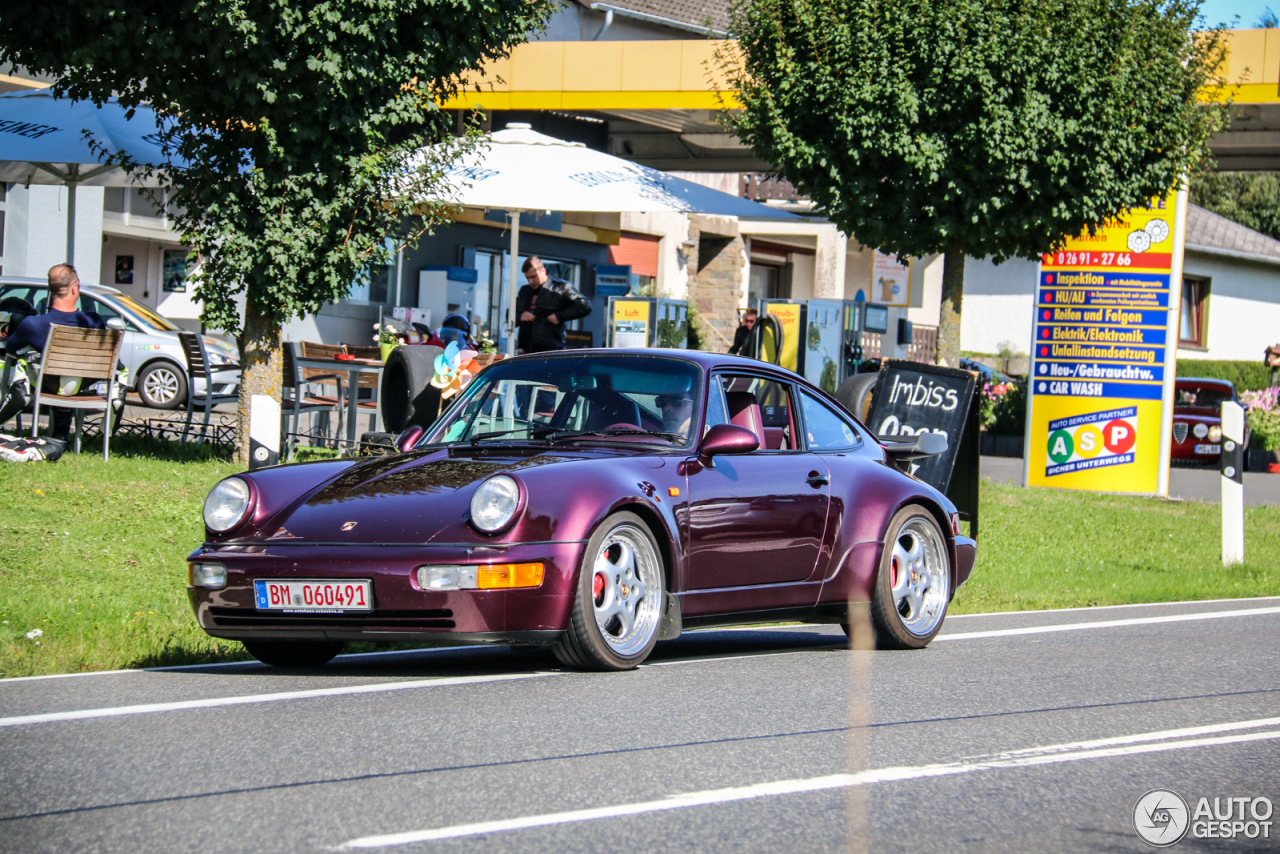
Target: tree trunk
x=949 y=315
x=261 y=365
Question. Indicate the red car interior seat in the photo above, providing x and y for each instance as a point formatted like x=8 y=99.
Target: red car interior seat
x=745 y=412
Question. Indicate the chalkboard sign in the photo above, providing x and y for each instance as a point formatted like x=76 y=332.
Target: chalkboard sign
x=912 y=397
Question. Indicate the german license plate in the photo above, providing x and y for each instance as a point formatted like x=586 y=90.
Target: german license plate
x=301 y=596
x=1208 y=449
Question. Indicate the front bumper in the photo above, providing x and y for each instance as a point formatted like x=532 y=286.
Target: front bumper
x=401 y=610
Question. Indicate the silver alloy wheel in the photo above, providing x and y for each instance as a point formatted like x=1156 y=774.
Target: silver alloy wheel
x=161 y=385
x=625 y=586
x=921 y=577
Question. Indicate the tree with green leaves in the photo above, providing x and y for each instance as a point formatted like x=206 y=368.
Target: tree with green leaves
x=297 y=124
x=984 y=128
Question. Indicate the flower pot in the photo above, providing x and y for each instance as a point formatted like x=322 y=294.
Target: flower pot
x=386 y=350
x=1273 y=464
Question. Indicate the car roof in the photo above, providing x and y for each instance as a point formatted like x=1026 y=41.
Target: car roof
x=43 y=283
x=1204 y=382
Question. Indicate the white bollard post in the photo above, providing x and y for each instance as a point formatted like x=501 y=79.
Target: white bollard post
x=1232 y=466
x=264 y=431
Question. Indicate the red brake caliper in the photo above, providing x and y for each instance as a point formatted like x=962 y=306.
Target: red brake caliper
x=896 y=568
x=597 y=587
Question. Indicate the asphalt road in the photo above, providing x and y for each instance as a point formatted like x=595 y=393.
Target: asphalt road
x=1012 y=732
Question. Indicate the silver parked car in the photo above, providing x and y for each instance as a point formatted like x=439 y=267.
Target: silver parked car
x=151 y=350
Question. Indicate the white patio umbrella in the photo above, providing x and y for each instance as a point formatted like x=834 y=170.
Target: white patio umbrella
x=42 y=141
x=519 y=169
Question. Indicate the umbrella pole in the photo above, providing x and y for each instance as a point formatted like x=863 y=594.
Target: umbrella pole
x=71 y=222
x=515 y=270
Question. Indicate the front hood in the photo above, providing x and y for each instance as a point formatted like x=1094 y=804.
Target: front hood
x=414 y=498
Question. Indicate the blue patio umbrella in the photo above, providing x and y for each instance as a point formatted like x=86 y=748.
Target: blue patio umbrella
x=43 y=141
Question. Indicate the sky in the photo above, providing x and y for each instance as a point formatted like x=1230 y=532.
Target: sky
x=1223 y=11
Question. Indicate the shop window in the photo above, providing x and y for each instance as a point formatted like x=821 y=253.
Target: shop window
x=1194 y=322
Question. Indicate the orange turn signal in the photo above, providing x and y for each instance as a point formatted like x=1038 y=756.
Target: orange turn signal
x=673 y=491
x=501 y=575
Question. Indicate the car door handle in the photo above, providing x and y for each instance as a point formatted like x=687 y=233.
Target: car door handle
x=815 y=479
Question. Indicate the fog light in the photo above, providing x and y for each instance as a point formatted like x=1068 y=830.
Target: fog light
x=210 y=575
x=1215 y=433
x=504 y=575
x=1200 y=430
x=447 y=577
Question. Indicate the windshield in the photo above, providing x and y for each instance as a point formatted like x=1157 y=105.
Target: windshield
x=1201 y=398
x=568 y=398
x=145 y=313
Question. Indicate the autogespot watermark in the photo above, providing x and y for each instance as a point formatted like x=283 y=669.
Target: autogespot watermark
x=1162 y=818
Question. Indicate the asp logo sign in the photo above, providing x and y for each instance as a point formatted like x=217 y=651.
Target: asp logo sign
x=1095 y=440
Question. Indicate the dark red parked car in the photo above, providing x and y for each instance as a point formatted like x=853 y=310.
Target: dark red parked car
x=1197 y=418
x=598 y=501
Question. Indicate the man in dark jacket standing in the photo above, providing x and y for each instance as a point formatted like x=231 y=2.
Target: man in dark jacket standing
x=542 y=308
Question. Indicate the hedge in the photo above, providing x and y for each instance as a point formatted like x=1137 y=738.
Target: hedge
x=1247 y=376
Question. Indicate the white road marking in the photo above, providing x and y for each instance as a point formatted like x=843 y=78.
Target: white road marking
x=1048 y=755
x=182 y=705
x=1106 y=624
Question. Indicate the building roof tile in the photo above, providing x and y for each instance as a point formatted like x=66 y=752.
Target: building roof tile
x=1211 y=231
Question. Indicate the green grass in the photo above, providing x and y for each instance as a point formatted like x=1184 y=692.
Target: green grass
x=93 y=555
x=1042 y=548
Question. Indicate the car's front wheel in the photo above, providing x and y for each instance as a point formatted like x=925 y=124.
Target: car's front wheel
x=162 y=385
x=617 y=611
x=300 y=653
x=913 y=588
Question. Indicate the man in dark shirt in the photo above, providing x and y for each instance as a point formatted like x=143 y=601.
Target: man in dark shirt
x=33 y=332
x=64 y=292
x=744 y=331
x=542 y=307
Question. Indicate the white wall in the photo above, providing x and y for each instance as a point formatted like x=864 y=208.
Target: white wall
x=1244 y=306
x=999 y=304
x=36 y=231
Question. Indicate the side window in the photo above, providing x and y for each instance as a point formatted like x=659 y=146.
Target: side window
x=824 y=429
x=763 y=406
x=89 y=304
x=716 y=412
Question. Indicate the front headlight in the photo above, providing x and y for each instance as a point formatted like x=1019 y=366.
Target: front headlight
x=227 y=505
x=1215 y=433
x=495 y=504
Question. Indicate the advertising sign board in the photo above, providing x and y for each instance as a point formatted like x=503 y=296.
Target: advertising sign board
x=1102 y=369
x=911 y=398
x=788 y=317
x=630 y=322
x=890 y=280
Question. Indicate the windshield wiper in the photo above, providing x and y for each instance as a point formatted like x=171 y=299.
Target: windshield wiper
x=575 y=434
x=535 y=431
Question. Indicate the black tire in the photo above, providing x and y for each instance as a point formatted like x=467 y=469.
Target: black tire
x=162 y=385
x=598 y=637
x=854 y=394
x=909 y=613
x=406 y=394
x=299 y=653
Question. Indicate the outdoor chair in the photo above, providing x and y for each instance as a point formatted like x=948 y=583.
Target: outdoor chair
x=91 y=355
x=198 y=367
x=368 y=381
x=297 y=399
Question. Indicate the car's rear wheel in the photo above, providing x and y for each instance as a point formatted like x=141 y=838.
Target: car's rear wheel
x=300 y=653
x=913 y=587
x=617 y=611
x=162 y=385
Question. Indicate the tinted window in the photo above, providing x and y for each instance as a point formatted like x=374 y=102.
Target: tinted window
x=824 y=429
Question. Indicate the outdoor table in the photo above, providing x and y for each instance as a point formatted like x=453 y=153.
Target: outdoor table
x=353 y=368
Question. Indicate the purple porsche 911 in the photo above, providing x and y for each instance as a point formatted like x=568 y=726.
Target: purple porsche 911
x=595 y=500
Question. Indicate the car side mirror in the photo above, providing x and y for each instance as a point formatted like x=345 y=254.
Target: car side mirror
x=406 y=440
x=726 y=439
x=922 y=445
x=115 y=323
